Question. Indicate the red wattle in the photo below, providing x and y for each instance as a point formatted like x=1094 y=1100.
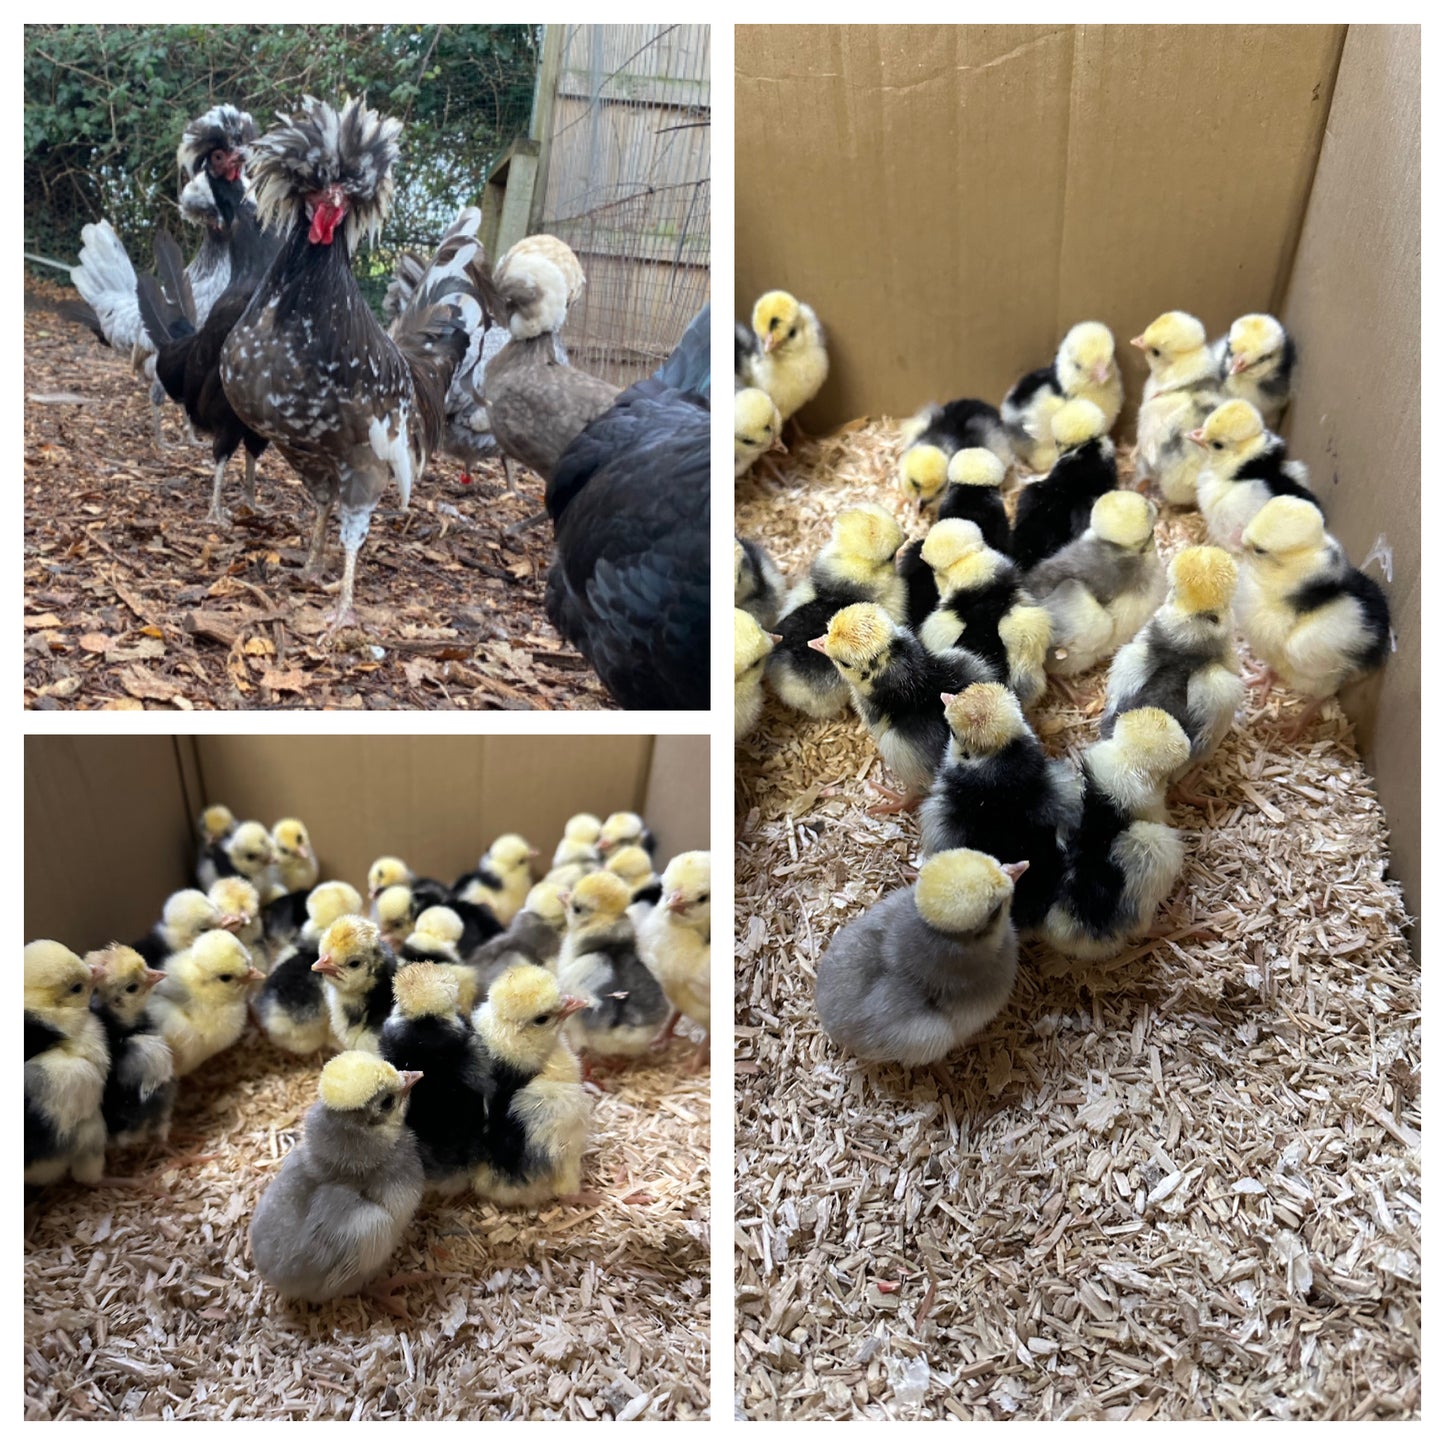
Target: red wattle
x=324 y=222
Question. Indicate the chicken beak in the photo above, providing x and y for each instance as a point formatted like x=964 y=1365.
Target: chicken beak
x=305 y=852
x=774 y=637
x=770 y=341
x=1016 y=870
x=819 y=644
x=1196 y=436
x=325 y=965
x=1137 y=341
x=676 y=903
x=254 y=975
x=97 y=973
x=153 y=976
x=571 y=1004
x=1238 y=364
x=410 y=1078
x=564 y=898
x=1101 y=374
x=947 y=697
x=779 y=446
x=534 y=852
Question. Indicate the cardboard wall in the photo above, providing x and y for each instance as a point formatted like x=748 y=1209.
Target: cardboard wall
x=127 y=807
x=1354 y=303
x=950 y=200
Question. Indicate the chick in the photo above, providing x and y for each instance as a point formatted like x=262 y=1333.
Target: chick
x=998 y=793
x=896 y=685
x=1085 y=368
x=1181 y=390
x=856 y=566
x=937 y=433
x=535 y=937
x=292 y=1007
x=358 y=969
x=66 y=1061
x=675 y=941
x=1053 y=511
x=187 y=915
x=599 y=958
x=928 y=967
x=757 y=428
x=386 y=873
x=1123 y=859
x=537 y=1120
x=975 y=481
x=502 y=879
x=758 y=586
x=435 y=939
x=1257 y=364
x=1307 y=614
x=200 y=1005
x=294 y=869
x=1244 y=466
x=426 y=1033
x=330 y=1220
x=984 y=607
x=1183 y=661
x=751 y=648
x=247 y=851
x=579 y=835
x=633 y=865
x=791 y=363
x=215 y=824
x=396 y=914
x=140 y=1088
x=240 y=910
x=625 y=830
x=1101 y=588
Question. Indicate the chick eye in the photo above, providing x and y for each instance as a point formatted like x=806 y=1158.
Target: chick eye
x=386 y=1104
x=132 y=987
x=355 y=963
x=702 y=897
x=542 y=1019
x=848 y=665
x=76 y=987
x=1153 y=351
x=227 y=977
x=1218 y=446
x=749 y=441
x=774 y=323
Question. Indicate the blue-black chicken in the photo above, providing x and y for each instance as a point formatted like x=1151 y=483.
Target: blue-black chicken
x=629 y=502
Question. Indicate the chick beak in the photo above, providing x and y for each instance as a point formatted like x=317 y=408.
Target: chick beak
x=564 y=898
x=1238 y=364
x=770 y=341
x=605 y=845
x=534 y=852
x=152 y=977
x=1196 y=436
x=410 y=1078
x=304 y=852
x=1101 y=374
x=96 y=974
x=779 y=446
x=325 y=965
x=774 y=637
x=571 y=1004
x=1137 y=341
x=676 y=903
x=947 y=697
x=254 y=975
x=231 y=922
x=1016 y=870
x=819 y=644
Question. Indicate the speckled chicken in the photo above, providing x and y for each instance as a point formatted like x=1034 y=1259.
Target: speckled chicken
x=351 y=407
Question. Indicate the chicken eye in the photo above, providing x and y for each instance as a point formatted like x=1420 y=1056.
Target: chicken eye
x=702 y=897
x=355 y=963
x=848 y=665
x=542 y=1019
x=227 y=977
x=132 y=987
x=76 y=987
x=748 y=441
x=1218 y=446
x=1153 y=351
x=792 y=333
x=775 y=323
x=386 y=1104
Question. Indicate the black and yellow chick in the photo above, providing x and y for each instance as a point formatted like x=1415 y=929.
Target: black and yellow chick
x=358 y=967
x=140 y=1088
x=291 y=1007
x=1053 y=511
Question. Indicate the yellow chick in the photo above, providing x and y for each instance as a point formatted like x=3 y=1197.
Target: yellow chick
x=580 y=834
x=295 y=869
x=186 y=916
x=240 y=910
x=503 y=877
x=200 y=1006
x=66 y=1061
x=625 y=830
x=675 y=941
x=751 y=648
x=1313 y=619
x=394 y=914
x=633 y=865
x=757 y=428
x=247 y=850
x=1244 y=466
x=386 y=873
x=1257 y=364
x=1181 y=390
x=536 y=1133
x=1103 y=587
x=791 y=364
x=216 y=823
x=358 y=968
x=1084 y=369
x=434 y=940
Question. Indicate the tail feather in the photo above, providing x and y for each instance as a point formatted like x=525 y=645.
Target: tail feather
x=689 y=368
x=171 y=268
x=105 y=279
x=164 y=320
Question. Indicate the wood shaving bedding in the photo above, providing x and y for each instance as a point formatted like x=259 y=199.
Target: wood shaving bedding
x=1183 y=1183
x=142 y=1302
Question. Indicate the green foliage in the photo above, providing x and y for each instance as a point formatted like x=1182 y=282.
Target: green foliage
x=105 y=106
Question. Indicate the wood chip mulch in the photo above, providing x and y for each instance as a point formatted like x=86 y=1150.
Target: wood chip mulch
x=1183 y=1183
x=141 y=1300
x=134 y=601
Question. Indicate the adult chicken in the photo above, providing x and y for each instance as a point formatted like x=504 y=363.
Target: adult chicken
x=210 y=150
x=353 y=408
x=628 y=586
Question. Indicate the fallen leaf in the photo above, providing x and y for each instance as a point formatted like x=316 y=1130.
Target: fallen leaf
x=96 y=641
x=141 y=682
x=122 y=704
x=292 y=680
x=259 y=647
x=48 y=619
x=151 y=632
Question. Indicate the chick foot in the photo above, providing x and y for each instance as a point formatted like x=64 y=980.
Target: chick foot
x=1293 y=732
x=385 y=1292
x=664 y=1037
x=895 y=802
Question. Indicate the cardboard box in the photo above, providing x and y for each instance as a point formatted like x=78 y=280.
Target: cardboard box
x=109 y=822
x=951 y=199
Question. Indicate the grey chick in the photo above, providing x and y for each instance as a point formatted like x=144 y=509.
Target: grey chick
x=758 y=585
x=334 y=1215
x=926 y=968
x=534 y=936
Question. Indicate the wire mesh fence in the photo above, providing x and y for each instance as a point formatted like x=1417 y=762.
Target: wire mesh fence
x=626 y=183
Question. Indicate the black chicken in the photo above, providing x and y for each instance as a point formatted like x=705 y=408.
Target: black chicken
x=188 y=357
x=628 y=586
x=350 y=406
